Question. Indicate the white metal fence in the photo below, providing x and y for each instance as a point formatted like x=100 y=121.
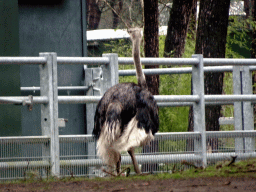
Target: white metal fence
x=74 y=155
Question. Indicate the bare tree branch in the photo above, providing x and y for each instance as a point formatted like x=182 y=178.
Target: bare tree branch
x=126 y=24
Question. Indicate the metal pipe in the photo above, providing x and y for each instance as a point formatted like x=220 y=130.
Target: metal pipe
x=176 y=98
x=25 y=139
x=159 y=61
x=252 y=68
x=187 y=61
x=21 y=99
x=78 y=99
x=182 y=104
x=83 y=60
x=224 y=61
x=159 y=135
x=76 y=138
x=22 y=60
x=231 y=134
x=60 y=88
x=229 y=98
x=174 y=104
x=182 y=70
x=163 y=100
x=142 y=159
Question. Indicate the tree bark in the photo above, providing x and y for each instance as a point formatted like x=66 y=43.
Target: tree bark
x=211 y=42
x=116 y=13
x=93 y=14
x=193 y=21
x=151 y=41
x=247 y=5
x=151 y=48
x=178 y=27
x=253 y=53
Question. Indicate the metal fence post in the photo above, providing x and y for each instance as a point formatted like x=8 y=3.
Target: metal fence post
x=49 y=112
x=243 y=111
x=99 y=80
x=93 y=80
x=239 y=146
x=110 y=71
x=199 y=107
x=248 y=116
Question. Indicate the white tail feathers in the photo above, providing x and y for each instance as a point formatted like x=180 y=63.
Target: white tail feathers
x=110 y=143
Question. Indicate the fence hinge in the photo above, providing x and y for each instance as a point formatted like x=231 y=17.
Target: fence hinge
x=93 y=80
x=29 y=102
x=62 y=122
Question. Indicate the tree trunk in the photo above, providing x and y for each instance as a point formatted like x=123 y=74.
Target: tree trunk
x=178 y=28
x=93 y=14
x=253 y=53
x=211 y=41
x=151 y=41
x=118 y=8
x=151 y=48
x=193 y=21
x=247 y=5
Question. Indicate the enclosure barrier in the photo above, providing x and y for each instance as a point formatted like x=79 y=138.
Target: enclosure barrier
x=19 y=156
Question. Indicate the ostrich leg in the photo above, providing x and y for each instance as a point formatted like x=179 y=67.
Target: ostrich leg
x=134 y=161
x=118 y=165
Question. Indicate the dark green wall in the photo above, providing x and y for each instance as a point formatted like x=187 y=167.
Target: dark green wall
x=10 y=115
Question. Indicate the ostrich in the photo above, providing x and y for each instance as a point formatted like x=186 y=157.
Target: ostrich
x=126 y=116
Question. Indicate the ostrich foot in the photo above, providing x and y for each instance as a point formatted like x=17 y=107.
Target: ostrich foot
x=119 y=174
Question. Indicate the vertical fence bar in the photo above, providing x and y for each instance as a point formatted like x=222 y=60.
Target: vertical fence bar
x=249 y=143
x=110 y=71
x=93 y=80
x=239 y=146
x=49 y=111
x=199 y=107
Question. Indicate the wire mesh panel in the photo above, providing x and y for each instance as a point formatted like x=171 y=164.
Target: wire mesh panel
x=24 y=157
x=78 y=156
x=167 y=152
x=29 y=157
x=225 y=145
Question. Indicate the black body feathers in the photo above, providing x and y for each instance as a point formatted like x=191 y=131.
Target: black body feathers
x=121 y=103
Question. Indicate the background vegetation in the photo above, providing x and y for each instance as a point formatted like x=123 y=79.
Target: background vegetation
x=174 y=119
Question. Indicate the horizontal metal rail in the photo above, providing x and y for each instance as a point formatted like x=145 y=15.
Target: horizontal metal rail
x=229 y=98
x=76 y=138
x=78 y=99
x=142 y=159
x=127 y=60
x=83 y=60
x=24 y=139
x=60 y=88
x=95 y=99
x=23 y=100
x=188 y=61
x=160 y=135
x=159 y=61
x=183 y=104
x=177 y=98
x=182 y=70
x=224 y=61
x=164 y=100
x=22 y=60
x=230 y=134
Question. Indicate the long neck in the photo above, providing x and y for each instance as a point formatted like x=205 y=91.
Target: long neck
x=137 y=63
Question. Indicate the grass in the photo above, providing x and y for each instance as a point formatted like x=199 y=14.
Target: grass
x=246 y=168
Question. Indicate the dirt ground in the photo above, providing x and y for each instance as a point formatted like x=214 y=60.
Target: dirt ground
x=228 y=184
